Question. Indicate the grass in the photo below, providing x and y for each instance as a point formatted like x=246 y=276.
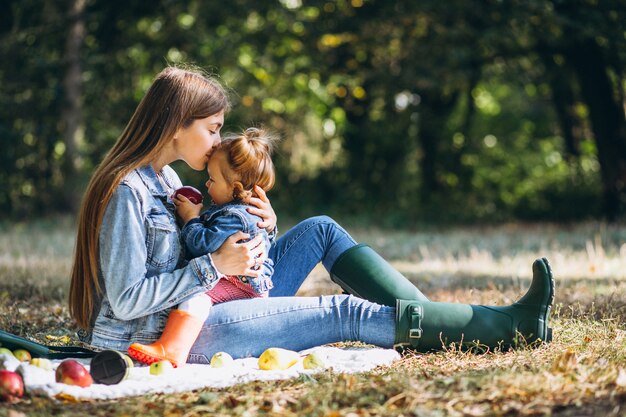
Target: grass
x=582 y=372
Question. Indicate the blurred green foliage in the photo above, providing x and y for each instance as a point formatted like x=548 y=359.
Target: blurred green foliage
x=395 y=112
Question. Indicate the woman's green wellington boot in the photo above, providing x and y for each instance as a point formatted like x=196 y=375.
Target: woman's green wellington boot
x=426 y=326
x=362 y=272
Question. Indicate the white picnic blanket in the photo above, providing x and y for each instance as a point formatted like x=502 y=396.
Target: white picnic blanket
x=190 y=377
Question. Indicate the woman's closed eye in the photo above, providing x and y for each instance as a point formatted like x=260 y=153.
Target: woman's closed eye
x=215 y=129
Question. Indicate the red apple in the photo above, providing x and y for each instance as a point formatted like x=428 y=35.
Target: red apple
x=191 y=193
x=11 y=386
x=72 y=372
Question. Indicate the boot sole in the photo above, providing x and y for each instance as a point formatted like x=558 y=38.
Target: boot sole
x=146 y=358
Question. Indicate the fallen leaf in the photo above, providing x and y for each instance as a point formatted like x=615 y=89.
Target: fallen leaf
x=62 y=339
x=62 y=396
x=566 y=362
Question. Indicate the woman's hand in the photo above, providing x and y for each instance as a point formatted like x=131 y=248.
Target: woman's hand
x=234 y=258
x=263 y=209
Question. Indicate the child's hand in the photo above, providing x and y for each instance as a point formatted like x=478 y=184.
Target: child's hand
x=185 y=209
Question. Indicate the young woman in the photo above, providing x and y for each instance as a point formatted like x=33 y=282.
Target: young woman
x=129 y=270
x=238 y=164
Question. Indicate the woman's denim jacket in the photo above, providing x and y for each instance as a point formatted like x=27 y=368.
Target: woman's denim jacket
x=143 y=271
x=206 y=234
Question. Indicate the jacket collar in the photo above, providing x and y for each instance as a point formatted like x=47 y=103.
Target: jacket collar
x=149 y=178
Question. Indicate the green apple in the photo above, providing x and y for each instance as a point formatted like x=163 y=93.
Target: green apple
x=313 y=361
x=161 y=367
x=42 y=363
x=221 y=360
x=22 y=355
x=6 y=351
x=273 y=359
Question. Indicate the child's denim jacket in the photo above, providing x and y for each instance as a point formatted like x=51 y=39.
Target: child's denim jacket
x=208 y=232
x=143 y=271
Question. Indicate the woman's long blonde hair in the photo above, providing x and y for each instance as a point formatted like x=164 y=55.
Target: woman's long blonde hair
x=175 y=99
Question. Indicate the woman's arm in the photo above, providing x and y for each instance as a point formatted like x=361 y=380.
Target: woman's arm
x=137 y=286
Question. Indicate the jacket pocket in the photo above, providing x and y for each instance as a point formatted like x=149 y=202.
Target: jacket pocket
x=162 y=241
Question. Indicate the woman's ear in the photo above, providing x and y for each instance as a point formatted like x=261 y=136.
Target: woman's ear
x=176 y=134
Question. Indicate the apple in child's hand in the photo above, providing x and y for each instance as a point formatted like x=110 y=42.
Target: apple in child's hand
x=161 y=367
x=22 y=355
x=72 y=372
x=11 y=386
x=191 y=193
x=221 y=359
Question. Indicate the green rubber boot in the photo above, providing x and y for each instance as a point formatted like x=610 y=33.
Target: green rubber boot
x=362 y=272
x=425 y=326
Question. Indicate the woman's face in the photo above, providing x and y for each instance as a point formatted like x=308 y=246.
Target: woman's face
x=195 y=143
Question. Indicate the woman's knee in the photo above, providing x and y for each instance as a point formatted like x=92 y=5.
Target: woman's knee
x=321 y=220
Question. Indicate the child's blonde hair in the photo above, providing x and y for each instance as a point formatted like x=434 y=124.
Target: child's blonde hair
x=249 y=161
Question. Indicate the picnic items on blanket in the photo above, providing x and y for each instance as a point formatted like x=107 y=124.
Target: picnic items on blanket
x=110 y=367
x=278 y=359
x=72 y=372
x=37 y=350
x=221 y=359
x=140 y=381
x=11 y=386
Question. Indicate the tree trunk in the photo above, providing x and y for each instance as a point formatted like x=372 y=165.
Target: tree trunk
x=72 y=116
x=564 y=100
x=434 y=111
x=607 y=120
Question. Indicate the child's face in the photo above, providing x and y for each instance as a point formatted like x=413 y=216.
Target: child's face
x=219 y=189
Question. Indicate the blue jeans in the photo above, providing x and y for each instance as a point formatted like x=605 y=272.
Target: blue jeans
x=248 y=327
x=314 y=240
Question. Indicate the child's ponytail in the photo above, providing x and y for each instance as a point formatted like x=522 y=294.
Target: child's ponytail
x=250 y=161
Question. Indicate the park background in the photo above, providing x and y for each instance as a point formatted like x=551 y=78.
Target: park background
x=460 y=139
x=402 y=113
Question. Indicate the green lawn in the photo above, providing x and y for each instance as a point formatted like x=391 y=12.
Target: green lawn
x=583 y=372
